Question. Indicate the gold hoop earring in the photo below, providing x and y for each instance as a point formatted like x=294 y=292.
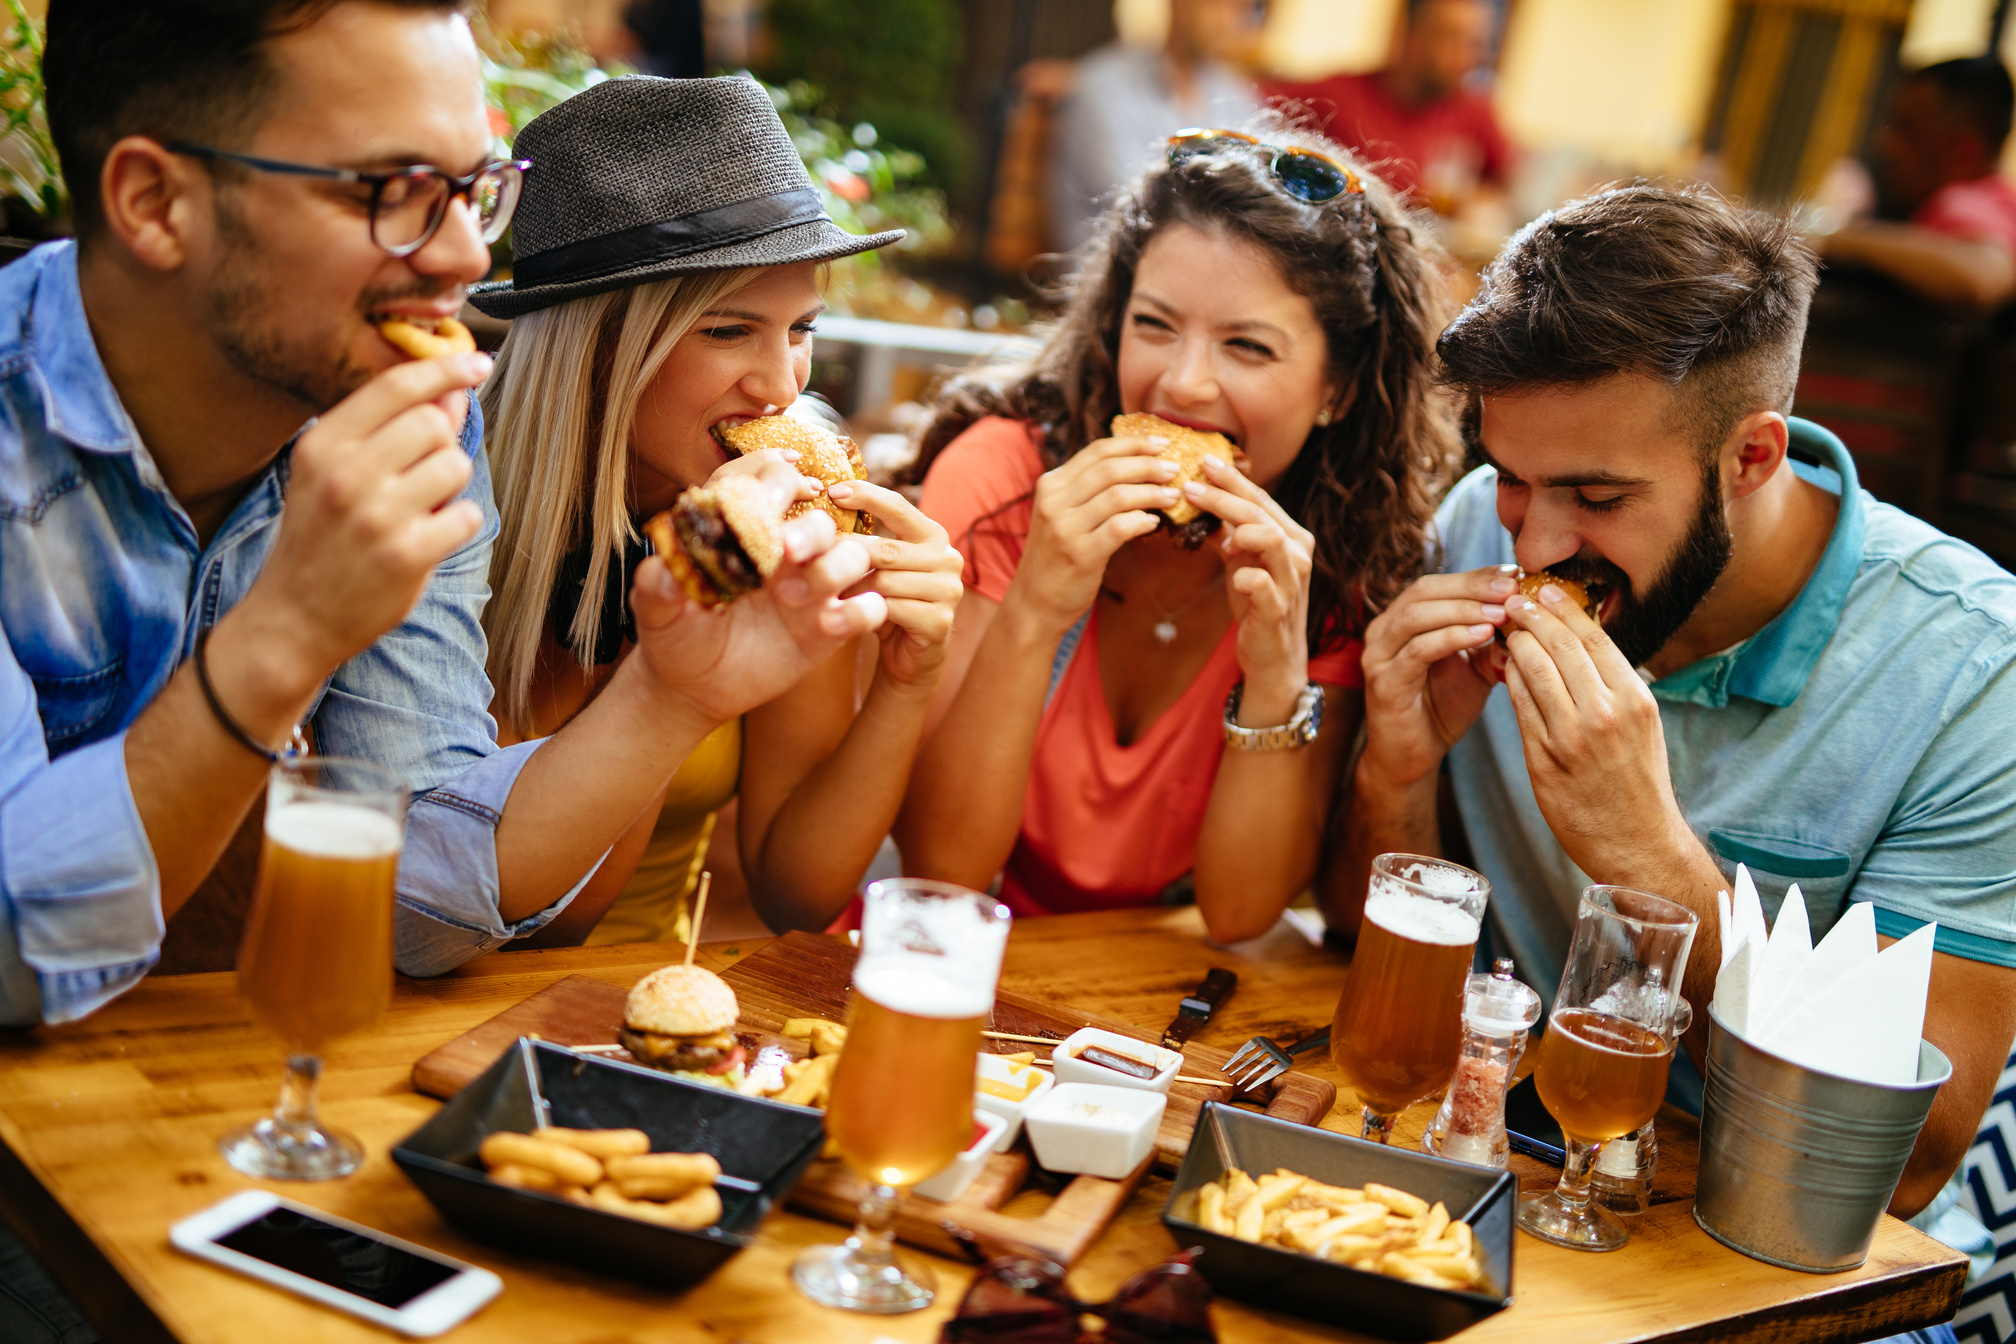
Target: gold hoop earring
x=1323 y=416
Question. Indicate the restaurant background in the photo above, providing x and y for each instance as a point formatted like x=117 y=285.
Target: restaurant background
x=935 y=115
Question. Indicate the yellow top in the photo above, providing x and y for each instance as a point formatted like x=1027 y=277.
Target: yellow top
x=653 y=907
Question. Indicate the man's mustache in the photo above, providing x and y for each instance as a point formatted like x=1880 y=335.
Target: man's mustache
x=1593 y=571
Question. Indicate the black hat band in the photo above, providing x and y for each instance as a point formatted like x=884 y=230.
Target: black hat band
x=667 y=239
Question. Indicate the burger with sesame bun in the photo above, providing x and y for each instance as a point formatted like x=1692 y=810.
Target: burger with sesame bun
x=682 y=1019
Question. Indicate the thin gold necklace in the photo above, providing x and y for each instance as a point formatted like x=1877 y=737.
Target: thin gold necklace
x=1165 y=630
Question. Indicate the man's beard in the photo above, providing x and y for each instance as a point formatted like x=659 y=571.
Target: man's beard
x=249 y=318
x=1641 y=627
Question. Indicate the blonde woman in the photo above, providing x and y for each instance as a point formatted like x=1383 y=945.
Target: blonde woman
x=630 y=346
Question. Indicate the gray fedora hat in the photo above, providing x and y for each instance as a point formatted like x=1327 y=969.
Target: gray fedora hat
x=641 y=178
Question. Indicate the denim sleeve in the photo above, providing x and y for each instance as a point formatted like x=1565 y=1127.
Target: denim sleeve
x=417 y=702
x=80 y=898
x=1948 y=852
x=1467 y=534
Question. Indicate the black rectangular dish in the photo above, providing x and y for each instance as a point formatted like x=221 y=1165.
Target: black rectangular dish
x=763 y=1147
x=1321 y=1290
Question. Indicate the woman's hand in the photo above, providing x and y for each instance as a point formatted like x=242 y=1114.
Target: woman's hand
x=1083 y=512
x=917 y=573
x=727 y=660
x=1268 y=559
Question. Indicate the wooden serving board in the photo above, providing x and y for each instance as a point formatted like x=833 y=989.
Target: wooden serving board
x=807 y=975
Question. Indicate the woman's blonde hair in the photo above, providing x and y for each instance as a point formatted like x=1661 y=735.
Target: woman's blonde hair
x=559 y=414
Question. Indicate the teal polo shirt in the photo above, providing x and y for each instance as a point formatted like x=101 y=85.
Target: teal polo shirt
x=1862 y=744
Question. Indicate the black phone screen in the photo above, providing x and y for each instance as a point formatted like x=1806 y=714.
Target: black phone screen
x=1527 y=1118
x=338 y=1257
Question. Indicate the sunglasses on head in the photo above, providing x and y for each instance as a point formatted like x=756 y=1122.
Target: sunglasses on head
x=1020 y=1299
x=1303 y=173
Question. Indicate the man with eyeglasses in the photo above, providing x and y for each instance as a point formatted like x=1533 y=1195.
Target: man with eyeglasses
x=187 y=574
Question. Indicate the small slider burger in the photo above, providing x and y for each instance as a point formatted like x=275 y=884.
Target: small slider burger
x=423 y=338
x=682 y=1019
x=822 y=454
x=1183 y=520
x=1578 y=593
x=721 y=540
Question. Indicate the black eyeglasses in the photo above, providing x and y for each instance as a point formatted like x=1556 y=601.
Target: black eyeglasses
x=407 y=204
x=1303 y=173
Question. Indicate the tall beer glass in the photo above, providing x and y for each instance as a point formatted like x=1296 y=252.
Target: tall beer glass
x=1399 y=1023
x=902 y=1103
x=316 y=962
x=1602 y=1065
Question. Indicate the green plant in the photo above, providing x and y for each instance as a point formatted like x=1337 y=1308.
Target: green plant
x=28 y=165
x=893 y=63
x=525 y=75
x=865 y=185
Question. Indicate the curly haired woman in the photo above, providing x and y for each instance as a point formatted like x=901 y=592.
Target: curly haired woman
x=1084 y=745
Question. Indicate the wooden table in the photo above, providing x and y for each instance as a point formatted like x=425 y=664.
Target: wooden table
x=110 y=1129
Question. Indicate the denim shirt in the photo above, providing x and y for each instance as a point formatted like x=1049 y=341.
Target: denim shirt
x=1861 y=744
x=103 y=590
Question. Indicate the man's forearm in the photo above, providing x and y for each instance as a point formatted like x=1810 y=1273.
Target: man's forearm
x=583 y=788
x=1943 y=269
x=1677 y=866
x=191 y=779
x=1380 y=817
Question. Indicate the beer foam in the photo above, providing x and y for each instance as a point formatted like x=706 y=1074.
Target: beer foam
x=902 y=984
x=333 y=830
x=1440 y=878
x=1419 y=918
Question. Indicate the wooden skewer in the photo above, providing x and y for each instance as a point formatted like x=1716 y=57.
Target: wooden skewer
x=1179 y=1078
x=699 y=913
x=1033 y=1040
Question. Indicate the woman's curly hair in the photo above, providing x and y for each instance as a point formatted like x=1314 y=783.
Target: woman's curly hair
x=1364 y=486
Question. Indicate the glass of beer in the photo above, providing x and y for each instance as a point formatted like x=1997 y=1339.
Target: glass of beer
x=1399 y=1023
x=1601 y=1070
x=316 y=962
x=902 y=1103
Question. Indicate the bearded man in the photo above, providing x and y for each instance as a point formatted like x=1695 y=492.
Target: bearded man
x=1787 y=674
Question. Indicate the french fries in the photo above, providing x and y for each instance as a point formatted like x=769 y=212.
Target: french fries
x=809 y=1082
x=610 y=1169
x=1377 y=1228
x=826 y=1038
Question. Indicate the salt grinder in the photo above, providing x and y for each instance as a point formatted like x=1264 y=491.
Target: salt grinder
x=1498 y=1011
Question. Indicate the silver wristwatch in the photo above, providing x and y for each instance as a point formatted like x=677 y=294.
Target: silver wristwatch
x=1299 y=731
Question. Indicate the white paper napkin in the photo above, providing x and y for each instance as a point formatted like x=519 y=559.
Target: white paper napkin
x=1840 y=1007
x=1743 y=943
x=1866 y=1023
x=1784 y=955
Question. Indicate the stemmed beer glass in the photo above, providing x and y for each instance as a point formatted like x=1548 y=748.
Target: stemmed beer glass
x=1609 y=1043
x=902 y=1101
x=1399 y=1023
x=316 y=961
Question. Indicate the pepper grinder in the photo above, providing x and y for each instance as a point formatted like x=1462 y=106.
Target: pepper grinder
x=1498 y=1011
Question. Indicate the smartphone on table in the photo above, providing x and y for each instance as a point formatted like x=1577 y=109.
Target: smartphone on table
x=1528 y=1126
x=336 y=1262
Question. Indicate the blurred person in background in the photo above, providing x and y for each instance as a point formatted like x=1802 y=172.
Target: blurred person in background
x=1947 y=225
x=1124 y=101
x=1432 y=135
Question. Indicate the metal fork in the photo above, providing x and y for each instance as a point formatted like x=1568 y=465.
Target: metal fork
x=1260 y=1061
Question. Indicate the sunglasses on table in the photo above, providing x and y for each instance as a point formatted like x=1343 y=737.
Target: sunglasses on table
x=1312 y=178
x=1020 y=1299
x=407 y=204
